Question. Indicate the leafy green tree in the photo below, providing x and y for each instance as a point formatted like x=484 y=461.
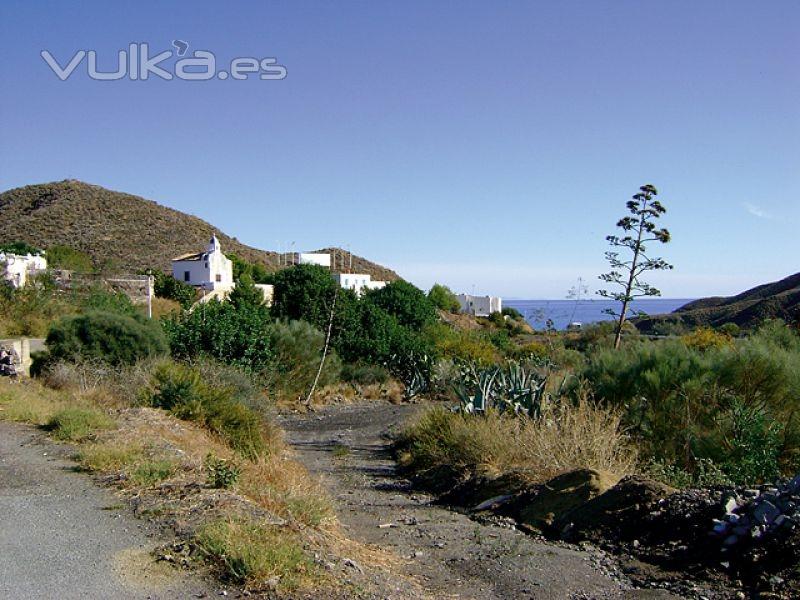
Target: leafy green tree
x=443 y=298
x=231 y=334
x=111 y=337
x=246 y=293
x=407 y=303
x=298 y=348
x=304 y=293
x=166 y=286
x=638 y=229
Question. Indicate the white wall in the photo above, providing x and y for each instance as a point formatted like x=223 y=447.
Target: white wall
x=212 y=270
x=480 y=306
x=315 y=258
x=357 y=282
x=17 y=268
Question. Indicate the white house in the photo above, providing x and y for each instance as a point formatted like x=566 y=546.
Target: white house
x=210 y=270
x=323 y=259
x=16 y=268
x=479 y=306
x=358 y=282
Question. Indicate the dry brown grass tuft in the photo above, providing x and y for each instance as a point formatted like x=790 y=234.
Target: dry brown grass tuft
x=439 y=443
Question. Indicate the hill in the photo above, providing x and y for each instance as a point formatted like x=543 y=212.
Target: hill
x=123 y=232
x=779 y=299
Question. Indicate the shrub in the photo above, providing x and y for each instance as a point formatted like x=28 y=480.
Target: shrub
x=407 y=303
x=98 y=299
x=459 y=344
x=235 y=335
x=730 y=329
x=77 y=424
x=166 y=286
x=443 y=298
x=181 y=390
x=305 y=293
x=441 y=448
x=704 y=338
x=221 y=473
x=364 y=374
x=21 y=248
x=513 y=313
x=151 y=472
x=111 y=337
x=298 y=348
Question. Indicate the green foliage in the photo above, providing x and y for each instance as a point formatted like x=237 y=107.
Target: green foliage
x=166 y=286
x=70 y=259
x=364 y=374
x=96 y=298
x=20 y=248
x=246 y=294
x=459 y=344
x=513 y=313
x=237 y=336
x=730 y=329
x=514 y=389
x=407 y=303
x=152 y=472
x=181 y=390
x=443 y=298
x=298 y=348
x=257 y=272
x=77 y=424
x=305 y=293
x=110 y=337
x=221 y=473
x=704 y=338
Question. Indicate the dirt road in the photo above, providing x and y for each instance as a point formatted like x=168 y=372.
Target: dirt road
x=62 y=537
x=451 y=555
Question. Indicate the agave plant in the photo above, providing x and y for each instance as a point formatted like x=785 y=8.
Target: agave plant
x=476 y=391
x=514 y=389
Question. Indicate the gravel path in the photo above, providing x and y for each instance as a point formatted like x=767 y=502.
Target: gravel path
x=451 y=555
x=62 y=537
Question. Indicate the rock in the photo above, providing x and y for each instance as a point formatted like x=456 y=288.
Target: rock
x=493 y=503
x=766 y=512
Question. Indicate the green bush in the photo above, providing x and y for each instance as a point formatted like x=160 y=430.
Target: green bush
x=166 y=286
x=221 y=473
x=182 y=390
x=443 y=298
x=305 y=293
x=234 y=335
x=110 y=337
x=97 y=298
x=298 y=348
x=406 y=303
x=364 y=374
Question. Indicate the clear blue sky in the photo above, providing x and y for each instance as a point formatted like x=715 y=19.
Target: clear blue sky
x=477 y=144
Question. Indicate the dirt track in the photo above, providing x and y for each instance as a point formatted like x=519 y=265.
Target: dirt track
x=449 y=554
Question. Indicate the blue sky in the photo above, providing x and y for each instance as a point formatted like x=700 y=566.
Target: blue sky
x=488 y=146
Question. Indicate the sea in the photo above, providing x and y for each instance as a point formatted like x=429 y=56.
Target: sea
x=585 y=311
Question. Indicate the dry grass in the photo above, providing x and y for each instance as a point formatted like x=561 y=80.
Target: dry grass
x=439 y=443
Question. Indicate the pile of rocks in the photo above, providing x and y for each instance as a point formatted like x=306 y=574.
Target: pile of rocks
x=757 y=514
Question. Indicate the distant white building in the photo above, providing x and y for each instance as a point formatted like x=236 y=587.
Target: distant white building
x=210 y=270
x=17 y=268
x=322 y=259
x=358 y=282
x=479 y=306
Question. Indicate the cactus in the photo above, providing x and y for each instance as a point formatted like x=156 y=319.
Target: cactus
x=513 y=389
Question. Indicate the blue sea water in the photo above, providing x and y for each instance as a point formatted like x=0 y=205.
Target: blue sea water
x=564 y=312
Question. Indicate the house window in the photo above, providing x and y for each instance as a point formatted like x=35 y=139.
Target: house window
x=206 y=265
x=219 y=278
x=186 y=275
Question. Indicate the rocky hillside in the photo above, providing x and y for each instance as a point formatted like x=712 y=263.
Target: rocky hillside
x=122 y=232
x=780 y=299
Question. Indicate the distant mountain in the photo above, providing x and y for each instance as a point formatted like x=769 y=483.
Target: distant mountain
x=780 y=299
x=125 y=233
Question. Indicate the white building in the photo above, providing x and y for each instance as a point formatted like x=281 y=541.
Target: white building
x=358 y=282
x=479 y=306
x=323 y=259
x=16 y=268
x=210 y=270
